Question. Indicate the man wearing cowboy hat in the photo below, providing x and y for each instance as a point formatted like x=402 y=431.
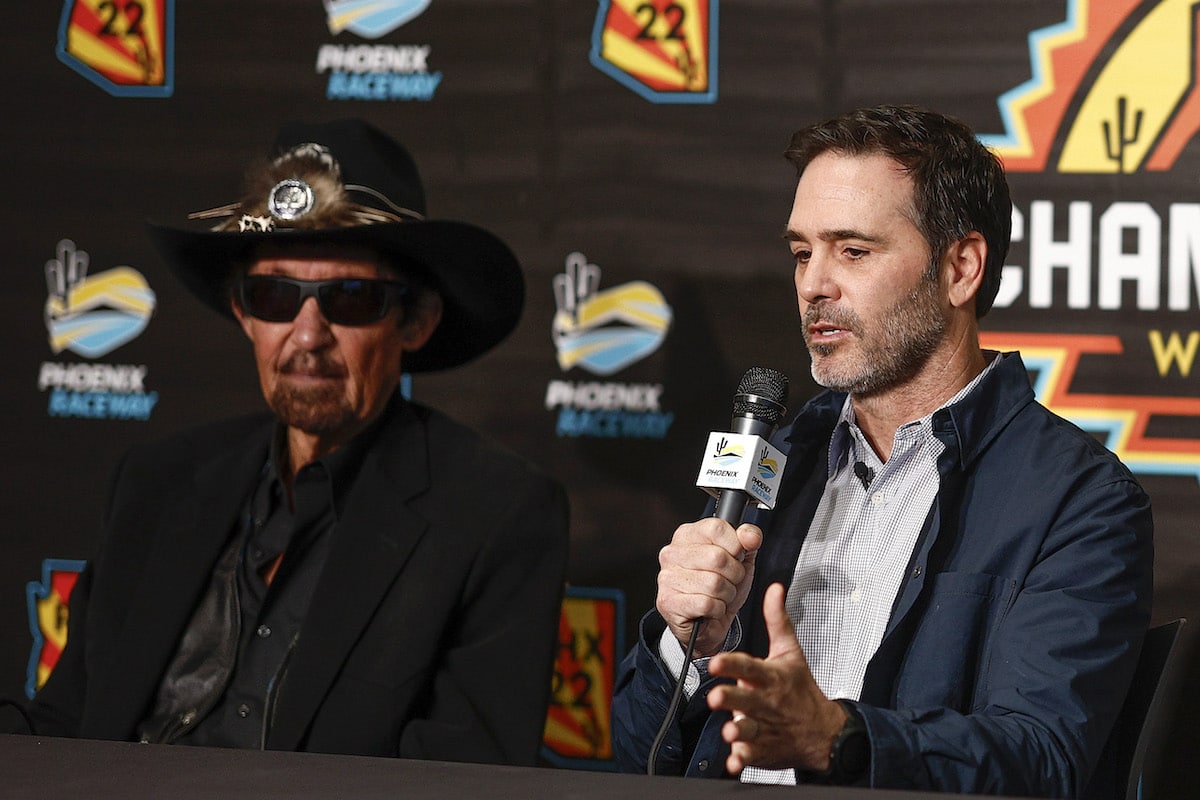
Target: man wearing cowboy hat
x=356 y=573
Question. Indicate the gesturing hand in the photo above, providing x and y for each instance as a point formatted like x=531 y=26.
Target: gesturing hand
x=780 y=716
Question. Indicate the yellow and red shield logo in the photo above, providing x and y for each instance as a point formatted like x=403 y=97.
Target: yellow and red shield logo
x=665 y=50
x=578 y=731
x=123 y=46
x=48 y=605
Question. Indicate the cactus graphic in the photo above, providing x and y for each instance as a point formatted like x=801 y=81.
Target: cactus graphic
x=65 y=272
x=1115 y=146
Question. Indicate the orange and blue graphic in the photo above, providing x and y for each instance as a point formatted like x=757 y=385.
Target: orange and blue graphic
x=1121 y=420
x=665 y=50
x=371 y=19
x=126 y=47
x=47 y=602
x=605 y=331
x=590 y=642
x=93 y=315
x=1113 y=90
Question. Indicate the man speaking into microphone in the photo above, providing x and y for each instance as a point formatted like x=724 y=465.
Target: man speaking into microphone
x=952 y=589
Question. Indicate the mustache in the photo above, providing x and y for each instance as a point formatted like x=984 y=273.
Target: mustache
x=307 y=363
x=832 y=315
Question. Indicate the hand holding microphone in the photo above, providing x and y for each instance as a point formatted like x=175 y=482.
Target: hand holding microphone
x=706 y=571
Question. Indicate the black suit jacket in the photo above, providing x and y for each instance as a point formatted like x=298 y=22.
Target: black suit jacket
x=431 y=631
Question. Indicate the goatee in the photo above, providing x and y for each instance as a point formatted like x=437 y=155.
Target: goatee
x=318 y=409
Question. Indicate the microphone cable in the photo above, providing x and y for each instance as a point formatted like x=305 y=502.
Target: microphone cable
x=673 y=706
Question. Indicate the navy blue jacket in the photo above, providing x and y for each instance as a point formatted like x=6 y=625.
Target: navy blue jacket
x=1014 y=633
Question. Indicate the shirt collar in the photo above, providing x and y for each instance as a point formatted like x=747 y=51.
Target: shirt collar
x=339 y=468
x=848 y=440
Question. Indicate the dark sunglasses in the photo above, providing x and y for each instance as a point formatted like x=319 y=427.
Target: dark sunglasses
x=343 y=301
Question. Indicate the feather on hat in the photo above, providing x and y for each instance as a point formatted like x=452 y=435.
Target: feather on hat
x=346 y=184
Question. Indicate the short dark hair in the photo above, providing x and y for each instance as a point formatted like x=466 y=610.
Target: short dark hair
x=958 y=184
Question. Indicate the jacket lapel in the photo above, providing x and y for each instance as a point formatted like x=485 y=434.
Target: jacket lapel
x=374 y=538
x=177 y=572
x=966 y=429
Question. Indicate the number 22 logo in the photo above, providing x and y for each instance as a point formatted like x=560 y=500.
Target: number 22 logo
x=123 y=46
x=664 y=51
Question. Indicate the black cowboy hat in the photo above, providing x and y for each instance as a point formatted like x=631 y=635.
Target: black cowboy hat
x=346 y=184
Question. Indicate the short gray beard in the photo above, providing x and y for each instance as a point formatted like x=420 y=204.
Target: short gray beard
x=909 y=333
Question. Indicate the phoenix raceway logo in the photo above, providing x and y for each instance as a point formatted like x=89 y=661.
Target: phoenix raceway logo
x=767 y=467
x=92 y=315
x=126 y=47
x=664 y=51
x=726 y=454
x=375 y=71
x=1112 y=93
x=371 y=18
x=47 y=602
x=603 y=332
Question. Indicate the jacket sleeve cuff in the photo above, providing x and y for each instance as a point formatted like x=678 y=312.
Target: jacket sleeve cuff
x=670 y=651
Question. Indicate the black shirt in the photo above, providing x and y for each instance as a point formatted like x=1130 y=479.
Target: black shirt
x=267 y=619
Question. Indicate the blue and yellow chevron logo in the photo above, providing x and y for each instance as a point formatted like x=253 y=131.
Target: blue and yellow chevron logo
x=93 y=315
x=726 y=453
x=767 y=468
x=605 y=331
x=371 y=19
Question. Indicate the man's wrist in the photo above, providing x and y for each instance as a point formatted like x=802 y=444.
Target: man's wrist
x=671 y=654
x=850 y=754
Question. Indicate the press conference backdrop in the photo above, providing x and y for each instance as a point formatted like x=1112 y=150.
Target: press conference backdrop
x=630 y=153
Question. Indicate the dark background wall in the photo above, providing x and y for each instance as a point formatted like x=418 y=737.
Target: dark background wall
x=528 y=137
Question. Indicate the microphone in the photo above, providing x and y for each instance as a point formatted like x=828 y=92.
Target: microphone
x=758 y=407
x=738 y=465
x=864 y=473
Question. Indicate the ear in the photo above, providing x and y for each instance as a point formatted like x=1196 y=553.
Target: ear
x=965 y=262
x=244 y=319
x=422 y=321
